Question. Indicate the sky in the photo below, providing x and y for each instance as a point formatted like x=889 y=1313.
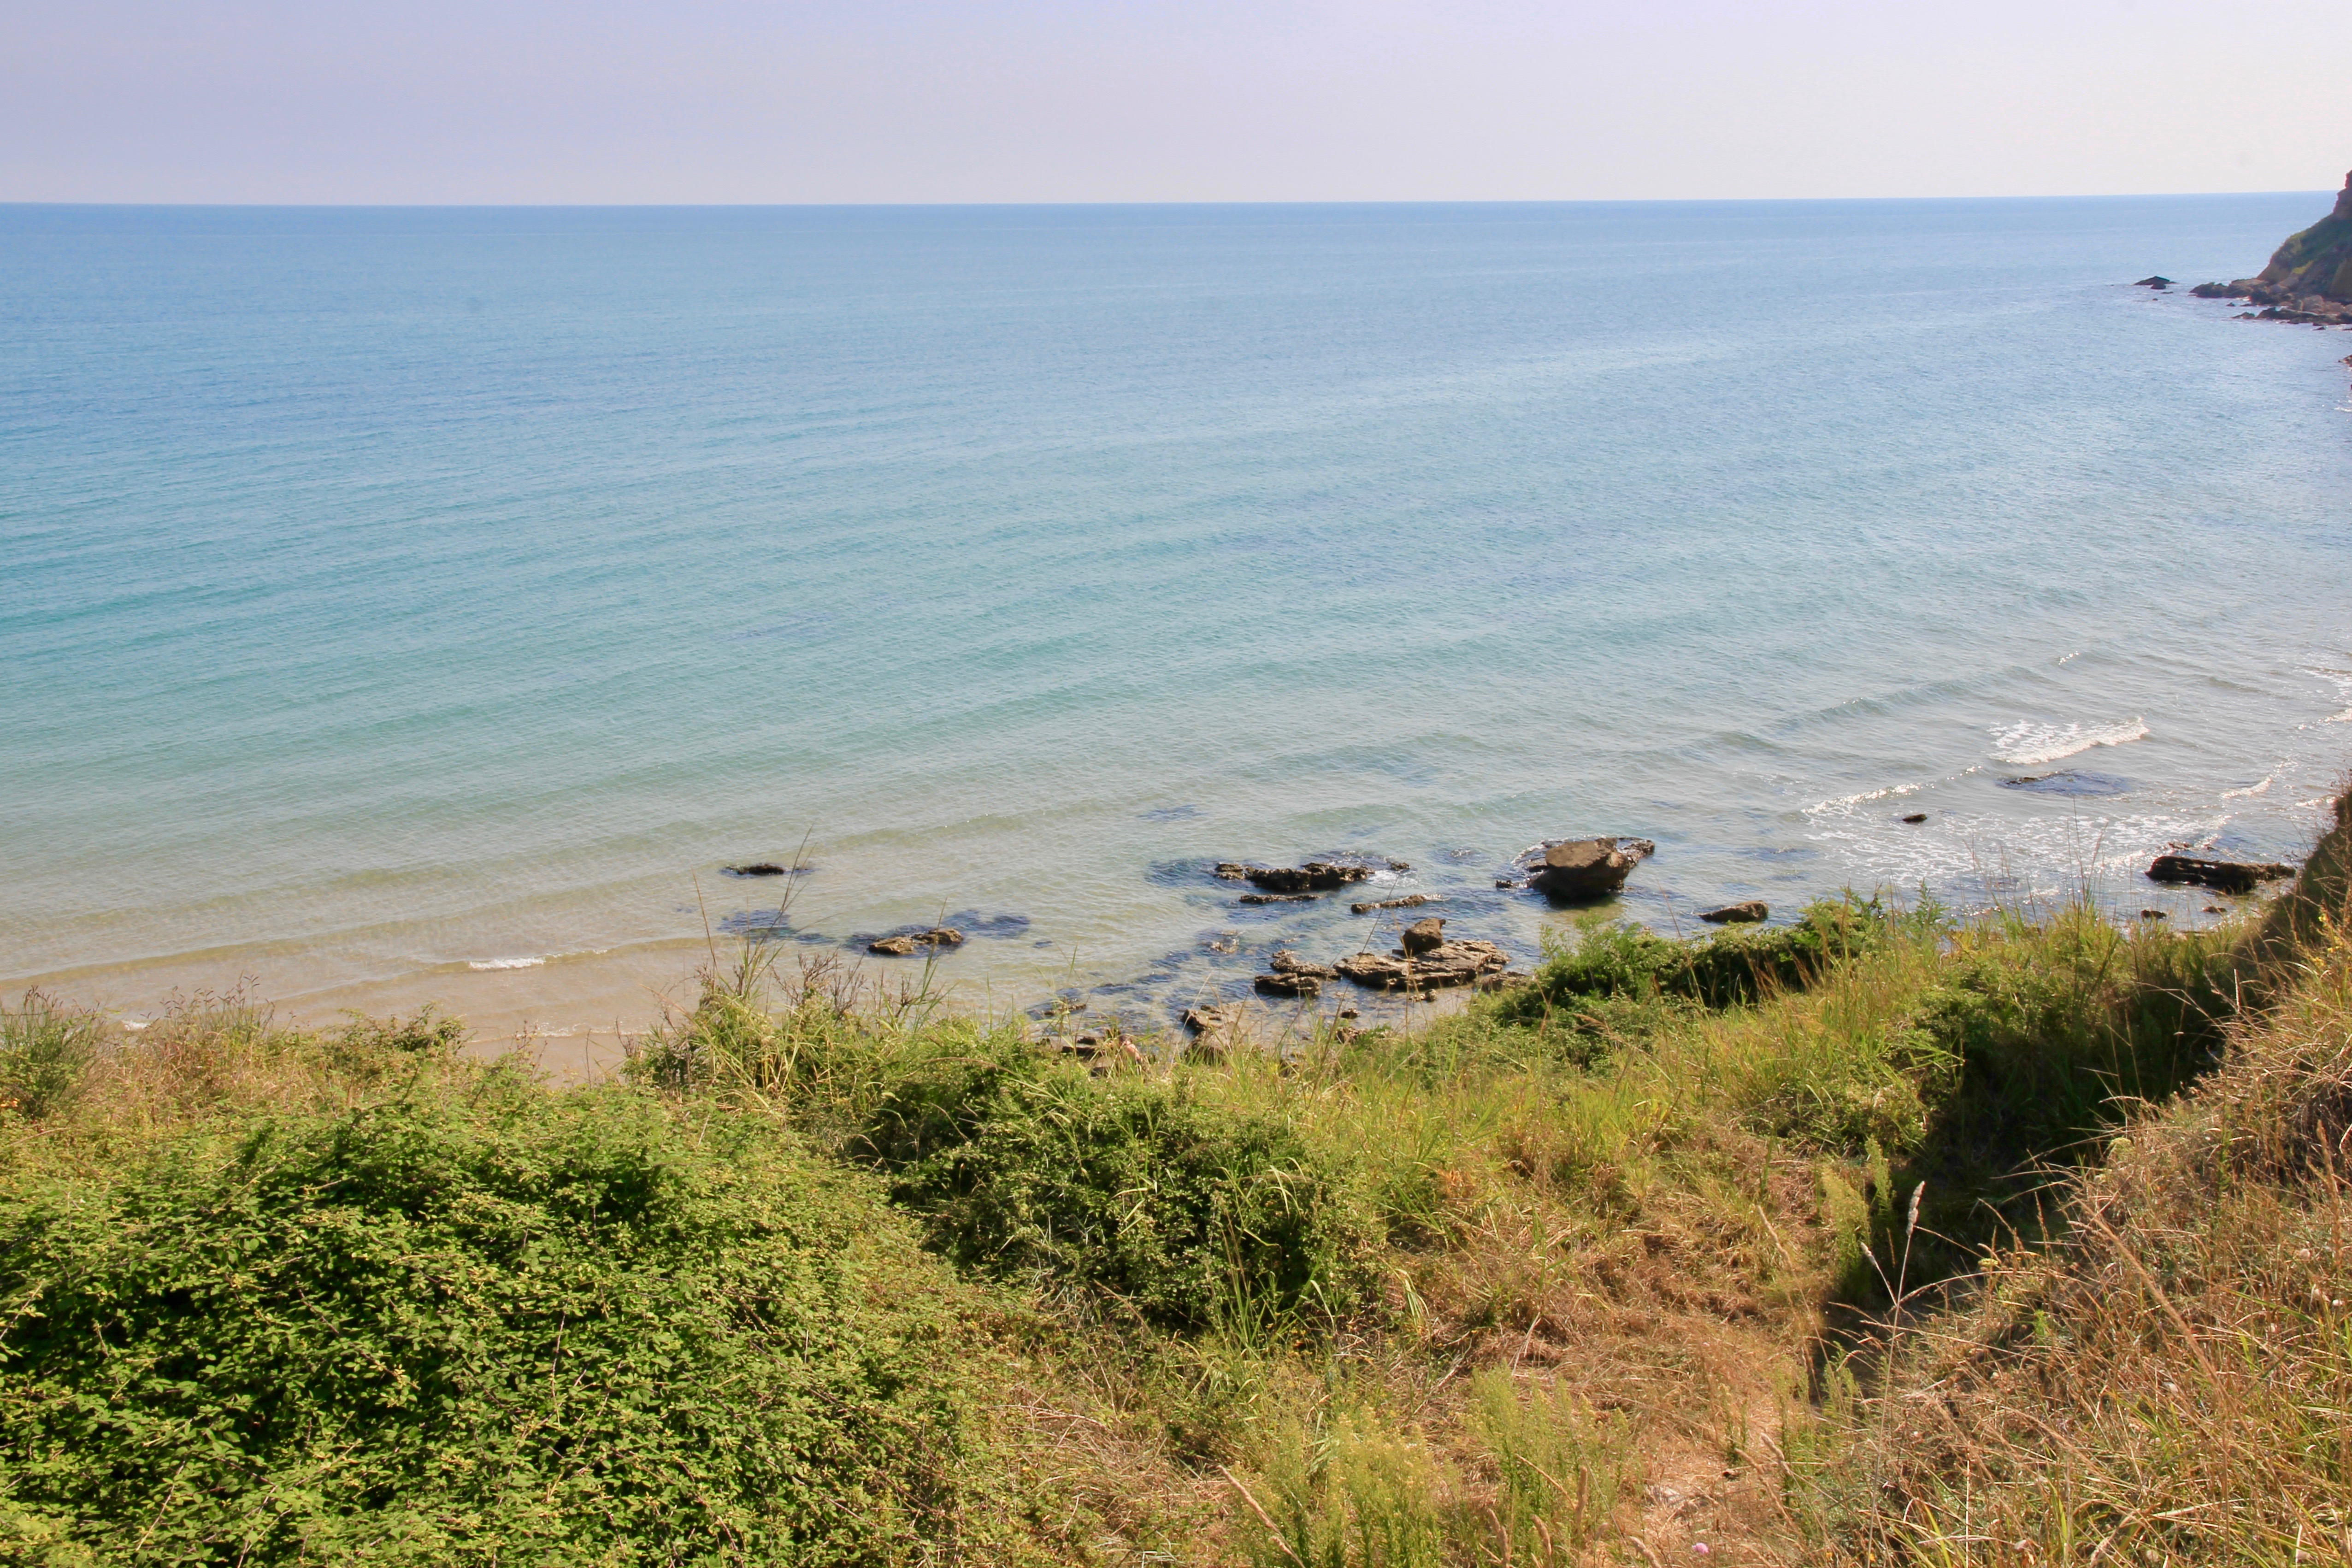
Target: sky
x=1153 y=100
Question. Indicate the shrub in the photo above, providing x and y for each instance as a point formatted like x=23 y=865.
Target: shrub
x=1741 y=965
x=44 y=1051
x=1192 y=1211
x=477 y=1322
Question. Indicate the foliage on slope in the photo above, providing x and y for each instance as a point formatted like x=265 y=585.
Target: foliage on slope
x=463 y=1319
x=1148 y=1192
x=2169 y=1379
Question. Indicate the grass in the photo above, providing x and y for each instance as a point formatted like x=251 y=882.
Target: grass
x=1884 y=1237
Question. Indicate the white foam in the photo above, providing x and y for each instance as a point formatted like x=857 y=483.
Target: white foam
x=2262 y=788
x=1889 y=792
x=1842 y=805
x=2027 y=743
x=508 y=964
x=2339 y=679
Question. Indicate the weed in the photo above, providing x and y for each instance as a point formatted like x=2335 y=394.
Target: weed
x=44 y=1050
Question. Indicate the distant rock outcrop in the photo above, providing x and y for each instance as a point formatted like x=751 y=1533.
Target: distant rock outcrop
x=2309 y=277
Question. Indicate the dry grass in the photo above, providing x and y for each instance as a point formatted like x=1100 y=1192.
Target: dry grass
x=2168 y=1381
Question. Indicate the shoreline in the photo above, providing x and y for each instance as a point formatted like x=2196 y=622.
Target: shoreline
x=579 y=1012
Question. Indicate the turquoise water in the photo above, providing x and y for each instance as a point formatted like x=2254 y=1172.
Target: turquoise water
x=395 y=594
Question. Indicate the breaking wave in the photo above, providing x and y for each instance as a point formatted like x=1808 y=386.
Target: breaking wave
x=2026 y=744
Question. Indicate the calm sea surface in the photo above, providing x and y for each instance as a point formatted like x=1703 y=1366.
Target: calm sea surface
x=406 y=604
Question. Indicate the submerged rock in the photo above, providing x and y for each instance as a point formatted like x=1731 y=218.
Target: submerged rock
x=1409 y=901
x=756 y=868
x=2228 y=876
x=1915 y=817
x=906 y=942
x=1578 y=870
x=1745 y=913
x=1277 y=898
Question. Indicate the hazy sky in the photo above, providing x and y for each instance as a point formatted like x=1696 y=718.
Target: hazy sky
x=935 y=100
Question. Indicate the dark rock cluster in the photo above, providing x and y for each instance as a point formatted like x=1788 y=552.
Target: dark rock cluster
x=2223 y=875
x=1315 y=877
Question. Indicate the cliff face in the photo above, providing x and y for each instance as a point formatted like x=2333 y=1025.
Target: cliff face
x=2309 y=276
x=2319 y=259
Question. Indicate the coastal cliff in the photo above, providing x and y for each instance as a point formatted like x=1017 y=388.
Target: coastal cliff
x=2309 y=277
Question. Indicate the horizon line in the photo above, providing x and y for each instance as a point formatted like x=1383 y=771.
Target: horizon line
x=14 y=202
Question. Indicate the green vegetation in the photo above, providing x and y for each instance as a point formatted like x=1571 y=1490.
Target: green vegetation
x=1653 y=1251
x=463 y=1319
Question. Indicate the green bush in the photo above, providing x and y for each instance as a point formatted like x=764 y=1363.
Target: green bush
x=479 y=1322
x=1031 y=1169
x=1741 y=965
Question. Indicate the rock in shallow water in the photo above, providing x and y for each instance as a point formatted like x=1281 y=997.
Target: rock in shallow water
x=2228 y=876
x=906 y=942
x=1409 y=901
x=1300 y=982
x=1423 y=936
x=1580 y=870
x=1315 y=877
x=1746 y=913
x=1218 y=1030
x=1448 y=964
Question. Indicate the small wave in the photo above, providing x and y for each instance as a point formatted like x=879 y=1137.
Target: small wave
x=507 y=963
x=1889 y=792
x=1845 y=804
x=2026 y=744
x=2261 y=788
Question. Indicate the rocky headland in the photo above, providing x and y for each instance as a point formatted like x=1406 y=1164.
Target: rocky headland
x=2309 y=278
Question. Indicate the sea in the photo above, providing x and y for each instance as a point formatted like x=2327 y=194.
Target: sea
x=430 y=604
